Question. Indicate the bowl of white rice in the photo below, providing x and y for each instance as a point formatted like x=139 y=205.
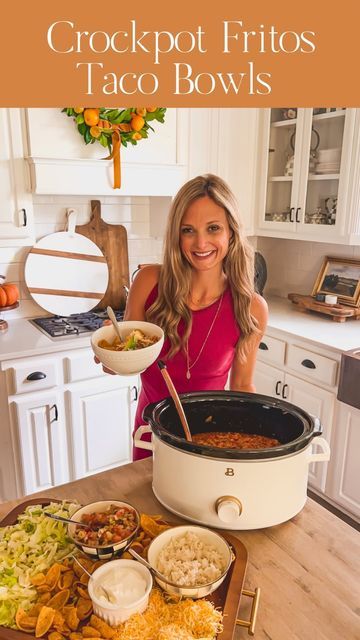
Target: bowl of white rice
x=193 y=560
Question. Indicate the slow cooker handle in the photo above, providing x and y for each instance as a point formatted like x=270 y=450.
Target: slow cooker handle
x=142 y=444
x=324 y=455
x=317 y=427
x=147 y=413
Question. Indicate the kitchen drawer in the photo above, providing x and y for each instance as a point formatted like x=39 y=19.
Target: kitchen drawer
x=312 y=365
x=80 y=365
x=32 y=374
x=272 y=350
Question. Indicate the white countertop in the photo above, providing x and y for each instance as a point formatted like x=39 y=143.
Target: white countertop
x=22 y=339
x=318 y=328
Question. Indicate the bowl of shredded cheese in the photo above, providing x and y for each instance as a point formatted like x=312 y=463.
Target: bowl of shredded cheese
x=193 y=560
x=139 y=347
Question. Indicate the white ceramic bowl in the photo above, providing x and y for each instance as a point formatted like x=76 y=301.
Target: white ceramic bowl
x=208 y=537
x=113 y=613
x=102 y=552
x=127 y=362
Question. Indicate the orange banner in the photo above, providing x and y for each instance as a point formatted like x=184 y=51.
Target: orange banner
x=180 y=54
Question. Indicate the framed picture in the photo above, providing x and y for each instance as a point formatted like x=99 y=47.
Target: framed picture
x=340 y=276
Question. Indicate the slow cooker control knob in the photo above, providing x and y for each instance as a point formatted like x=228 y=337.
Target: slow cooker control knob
x=228 y=508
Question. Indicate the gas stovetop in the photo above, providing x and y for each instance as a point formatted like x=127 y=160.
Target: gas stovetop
x=74 y=325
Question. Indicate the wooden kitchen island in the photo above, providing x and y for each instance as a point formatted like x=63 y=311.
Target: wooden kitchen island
x=308 y=569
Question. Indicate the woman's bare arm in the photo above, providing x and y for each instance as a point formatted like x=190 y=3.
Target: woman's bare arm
x=143 y=284
x=242 y=373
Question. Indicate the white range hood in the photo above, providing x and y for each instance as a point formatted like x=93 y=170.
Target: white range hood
x=61 y=164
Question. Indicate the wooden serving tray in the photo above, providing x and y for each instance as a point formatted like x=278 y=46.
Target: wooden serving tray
x=226 y=597
x=337 y=312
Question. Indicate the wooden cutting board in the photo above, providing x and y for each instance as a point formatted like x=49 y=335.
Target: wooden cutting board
x=112 y=240
x=66 y=273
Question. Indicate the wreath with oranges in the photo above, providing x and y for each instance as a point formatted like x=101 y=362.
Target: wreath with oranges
x=114 y=127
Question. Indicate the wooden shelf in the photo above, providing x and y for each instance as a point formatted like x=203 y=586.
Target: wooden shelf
x=324 y=176
x=284 y=123
x=327 y=116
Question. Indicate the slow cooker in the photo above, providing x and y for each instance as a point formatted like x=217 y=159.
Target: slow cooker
x=232 y=488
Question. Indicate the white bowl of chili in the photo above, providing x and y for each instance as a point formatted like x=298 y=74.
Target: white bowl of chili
x=112 y=525
x=134 y=354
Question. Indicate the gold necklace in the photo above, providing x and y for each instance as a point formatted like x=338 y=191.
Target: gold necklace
x=190 y=366
x=202 y=306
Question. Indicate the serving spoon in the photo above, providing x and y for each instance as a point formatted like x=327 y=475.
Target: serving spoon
x=147 y=564
x=112 y=317
x=69 y=520
x=174 y=394
x=109 y=594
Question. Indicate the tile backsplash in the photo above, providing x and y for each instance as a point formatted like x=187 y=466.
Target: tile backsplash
x=50 y=217
x=293 y=265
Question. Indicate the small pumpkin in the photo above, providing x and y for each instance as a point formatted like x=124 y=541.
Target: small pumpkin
x=9 y=294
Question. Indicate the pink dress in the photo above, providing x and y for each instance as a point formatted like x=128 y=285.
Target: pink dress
x=210 y=371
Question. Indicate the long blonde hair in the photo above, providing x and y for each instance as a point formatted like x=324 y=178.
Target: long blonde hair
x=174 y=284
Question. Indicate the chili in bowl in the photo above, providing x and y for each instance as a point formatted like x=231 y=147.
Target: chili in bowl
x=111 y=526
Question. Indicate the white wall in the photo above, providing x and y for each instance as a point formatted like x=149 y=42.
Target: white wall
x=50 y=217
x=293 y=265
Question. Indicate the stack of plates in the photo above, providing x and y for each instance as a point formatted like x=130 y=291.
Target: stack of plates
x=328 y=167
x=328 y=160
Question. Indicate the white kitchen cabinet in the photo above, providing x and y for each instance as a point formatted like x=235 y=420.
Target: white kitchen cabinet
x=101 y=420
x=62 y=418
x=308 y=175
x=224 y=142
x=16 y=215
x=41 y=434
x=343 y=485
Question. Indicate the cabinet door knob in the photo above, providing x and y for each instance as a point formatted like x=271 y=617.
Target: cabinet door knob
x=285 y=387
x=309 y=364
x=134 y=389
x=56 y=413
x=298 y=209
x=36 y=375
x=277 y=387
x=263 y=346
x=24 y=217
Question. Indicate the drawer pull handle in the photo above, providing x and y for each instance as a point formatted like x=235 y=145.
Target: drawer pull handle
x=277 y=388
x=291 y=214
x=24 y=217
x=285 y=387
x=36 y=375
x=297 y=219
x=263 y=346
x=309 y=364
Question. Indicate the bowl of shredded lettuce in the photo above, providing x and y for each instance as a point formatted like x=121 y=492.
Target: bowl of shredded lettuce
x=31 y=545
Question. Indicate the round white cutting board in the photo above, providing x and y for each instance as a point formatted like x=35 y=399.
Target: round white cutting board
x=66 y=273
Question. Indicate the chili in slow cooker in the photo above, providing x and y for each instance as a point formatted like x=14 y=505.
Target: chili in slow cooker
x=107 y=527
x=234 y=440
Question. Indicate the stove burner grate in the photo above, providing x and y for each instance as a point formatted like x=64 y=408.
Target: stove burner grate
x=75 y=324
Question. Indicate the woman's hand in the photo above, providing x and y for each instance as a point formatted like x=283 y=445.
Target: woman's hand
x=105 y=370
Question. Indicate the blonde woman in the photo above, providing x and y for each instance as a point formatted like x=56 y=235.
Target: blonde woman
x=202 y=296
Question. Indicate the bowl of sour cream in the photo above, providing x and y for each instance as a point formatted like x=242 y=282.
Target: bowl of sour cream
x=127 y=582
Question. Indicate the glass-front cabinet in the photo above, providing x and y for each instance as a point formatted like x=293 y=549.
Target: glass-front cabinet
x=304 y=171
